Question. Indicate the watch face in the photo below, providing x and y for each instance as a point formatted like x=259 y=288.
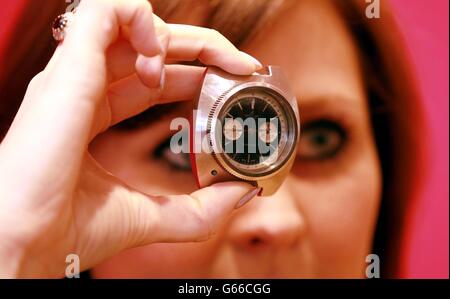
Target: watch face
x=257 y=131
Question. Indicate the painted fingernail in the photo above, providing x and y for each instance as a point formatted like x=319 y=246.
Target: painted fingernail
x=247 y=197
x=254 y=60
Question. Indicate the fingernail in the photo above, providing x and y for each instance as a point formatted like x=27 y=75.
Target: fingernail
x=247 y=197
x=254 y=60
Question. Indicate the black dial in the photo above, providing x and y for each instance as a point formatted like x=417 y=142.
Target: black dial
x=255 y=127
x=251 y=130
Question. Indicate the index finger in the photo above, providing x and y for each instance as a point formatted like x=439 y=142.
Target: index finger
x=98 y=21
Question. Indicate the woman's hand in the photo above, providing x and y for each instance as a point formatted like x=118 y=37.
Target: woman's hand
x=55 y=199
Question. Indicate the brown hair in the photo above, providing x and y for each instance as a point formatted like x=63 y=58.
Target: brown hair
x=393 y=98
x=397 y=121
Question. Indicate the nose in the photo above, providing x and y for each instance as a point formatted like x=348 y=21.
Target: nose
x=274 y=222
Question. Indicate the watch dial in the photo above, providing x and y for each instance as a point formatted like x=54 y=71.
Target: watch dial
x=255 y=129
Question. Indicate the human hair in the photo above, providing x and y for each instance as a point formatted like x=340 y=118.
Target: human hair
x=393 y=100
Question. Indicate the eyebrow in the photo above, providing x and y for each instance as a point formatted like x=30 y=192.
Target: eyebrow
x=326 y=100
x=343 y=108
x=332 y=102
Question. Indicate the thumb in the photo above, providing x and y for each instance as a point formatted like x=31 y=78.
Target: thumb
x=115 y=217
x=186 y=218
x=197 y=216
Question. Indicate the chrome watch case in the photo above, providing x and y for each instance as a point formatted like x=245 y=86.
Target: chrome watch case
x=218 y=90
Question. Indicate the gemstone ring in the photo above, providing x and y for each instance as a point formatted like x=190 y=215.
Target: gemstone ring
x=60 y=25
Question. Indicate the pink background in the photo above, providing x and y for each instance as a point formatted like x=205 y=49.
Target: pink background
x=425 y=26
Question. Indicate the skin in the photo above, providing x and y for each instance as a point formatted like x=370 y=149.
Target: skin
x=321 y=221
x=55 y=198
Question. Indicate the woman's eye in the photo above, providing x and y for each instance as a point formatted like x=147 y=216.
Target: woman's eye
x=179 y=161
x=320 y=140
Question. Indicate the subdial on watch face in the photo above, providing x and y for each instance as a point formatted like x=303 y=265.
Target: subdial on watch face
x=254 y=123
x=232 y=129
x=268 y=131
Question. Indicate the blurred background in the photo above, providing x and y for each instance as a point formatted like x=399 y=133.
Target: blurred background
x=425 y=26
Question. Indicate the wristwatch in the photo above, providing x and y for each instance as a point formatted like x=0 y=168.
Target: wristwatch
x=245 y=128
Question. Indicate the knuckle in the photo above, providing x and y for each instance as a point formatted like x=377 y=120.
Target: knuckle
x=202 y=224
x=214 y=34
x=36 y=80
x=163 y=28
x=216 y=39
x=217 y=36
x=162 y=31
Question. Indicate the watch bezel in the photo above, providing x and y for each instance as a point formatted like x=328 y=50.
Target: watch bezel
x=291 y=140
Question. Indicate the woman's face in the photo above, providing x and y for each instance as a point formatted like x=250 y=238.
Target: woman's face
x=321 y=221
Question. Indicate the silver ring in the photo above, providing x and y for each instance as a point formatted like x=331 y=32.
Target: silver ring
x=60 y=25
